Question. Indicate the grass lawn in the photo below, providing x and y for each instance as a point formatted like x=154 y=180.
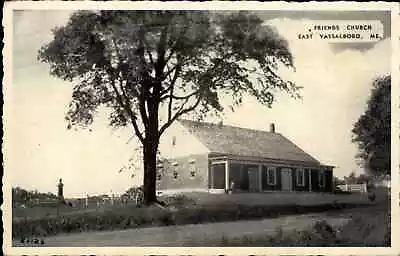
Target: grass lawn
x=39 y=212
x=280 y=231
x=272 y=198
x=179 y=235
x=189 y=209
x=367 y=227
x=194 y=199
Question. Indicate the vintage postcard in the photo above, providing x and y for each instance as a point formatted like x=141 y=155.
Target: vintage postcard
x=201 y=128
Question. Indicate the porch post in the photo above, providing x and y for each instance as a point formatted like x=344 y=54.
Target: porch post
x=226 y=175
x=309 y=180
x=211 y=176
x=260 y=178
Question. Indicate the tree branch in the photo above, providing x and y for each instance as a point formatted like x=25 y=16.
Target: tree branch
x=126 y=104
x=186 y=96
x=161 y=48
x=175 y=97
x=150 y=57
x=169 y=72
x=271 y=71
x=160 y=64
x=172 y=51
x=129 y=111
x=171 y=83
x=142 y=108
x=144 y=77
x=170 y=103
x=178 y=114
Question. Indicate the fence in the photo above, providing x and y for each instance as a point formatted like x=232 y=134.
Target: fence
x=362 y=188
x=136 y=198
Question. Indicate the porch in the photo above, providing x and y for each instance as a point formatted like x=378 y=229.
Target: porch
x=252 y=176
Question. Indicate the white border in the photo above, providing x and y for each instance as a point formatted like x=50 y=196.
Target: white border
x=75 y=5
x=395 y=127
x=209 y=5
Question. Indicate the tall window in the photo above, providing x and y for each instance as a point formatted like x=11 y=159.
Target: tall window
x=321 y=178
x=271 y=175
x=300 y=177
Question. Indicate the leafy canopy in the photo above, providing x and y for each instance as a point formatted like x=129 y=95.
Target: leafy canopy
x=372 y=130
x=155 y=66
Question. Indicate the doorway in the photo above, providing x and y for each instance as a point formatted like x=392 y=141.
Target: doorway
x=253 y=179
x=286 y=175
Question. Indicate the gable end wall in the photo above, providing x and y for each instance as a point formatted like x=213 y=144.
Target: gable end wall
x=183 y=167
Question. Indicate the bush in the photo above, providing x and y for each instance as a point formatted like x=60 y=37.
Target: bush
x=368 y=230
x=321 y=234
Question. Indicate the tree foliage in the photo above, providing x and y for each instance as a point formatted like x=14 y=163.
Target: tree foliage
x=23 y=196
x=354 y=179
x=338 y=181
x=153 y=67
x=372 y=130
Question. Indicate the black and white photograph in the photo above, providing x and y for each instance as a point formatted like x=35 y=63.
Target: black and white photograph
x=164 y=125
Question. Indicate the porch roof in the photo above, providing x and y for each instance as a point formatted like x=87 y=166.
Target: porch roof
x=265 y=161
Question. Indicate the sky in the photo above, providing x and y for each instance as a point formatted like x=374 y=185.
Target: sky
x=337 y=79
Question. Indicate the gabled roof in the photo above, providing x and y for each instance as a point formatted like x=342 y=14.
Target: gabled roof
x=225 y=139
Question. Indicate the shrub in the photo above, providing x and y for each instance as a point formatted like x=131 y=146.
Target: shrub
x=326 y=231
x=321 y=234
x=368 y=230
x=365 y=230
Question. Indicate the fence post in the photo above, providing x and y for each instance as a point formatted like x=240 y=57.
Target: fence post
x=347 y=187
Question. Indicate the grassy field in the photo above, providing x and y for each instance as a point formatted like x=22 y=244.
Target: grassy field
x=198 y=200
x=349 y=227
x=194 y=234
x=273 y=198
x=38 y=212
x=189 y=209
x=367 y=227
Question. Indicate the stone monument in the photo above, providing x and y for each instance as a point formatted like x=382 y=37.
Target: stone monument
x=60 y=193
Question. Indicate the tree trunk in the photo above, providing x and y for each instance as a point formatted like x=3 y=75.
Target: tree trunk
x=150 y=147
x=149 y=178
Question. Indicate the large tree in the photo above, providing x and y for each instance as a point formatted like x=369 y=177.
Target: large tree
x=372 y=130
x=152 y=67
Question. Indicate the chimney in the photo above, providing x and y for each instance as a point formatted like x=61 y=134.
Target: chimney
x=272 y=128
